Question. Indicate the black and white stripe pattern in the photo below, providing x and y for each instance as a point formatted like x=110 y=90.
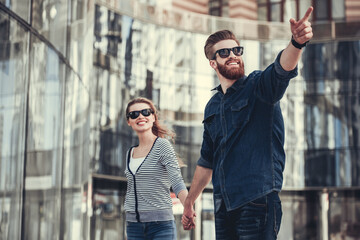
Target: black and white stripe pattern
x=149 y=188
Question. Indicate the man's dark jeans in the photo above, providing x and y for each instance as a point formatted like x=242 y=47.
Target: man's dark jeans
x=258 y=220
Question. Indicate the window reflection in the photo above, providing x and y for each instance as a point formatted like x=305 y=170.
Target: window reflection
x=301 y=215
x=44 y=142
x=50 y=19
x=167 y=68
x=344 y=215
x=20 y=7
x=13 y=91
x=331 y=106
x=71 y=133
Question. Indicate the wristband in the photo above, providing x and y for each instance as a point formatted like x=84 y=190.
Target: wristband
x=296 y=44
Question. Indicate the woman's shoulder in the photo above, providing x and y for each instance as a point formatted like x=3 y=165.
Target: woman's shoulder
x=161 y=140
x=163 y=143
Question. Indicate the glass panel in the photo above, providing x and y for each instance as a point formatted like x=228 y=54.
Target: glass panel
x=276 y=12
x=289 y=10
x=346 y=59
x=292 y=106
x=301 y=215
x=262 y=13
x=321 y=10
x=108 y=214
x=80 y=45
x=214 y=3
x=74 y=226
x=20 y=7
x=108 y=204
x=225 y=11
x=50 y=19
x=44 y=141
x=344 y=214
x=214 y=12
x=318 y=62
x=76 y=134
x=107 y=31
x=76 y=161
x=303 y=7
x=338 y=9
x=320 y=122
x=332 y=103
x=14 y=48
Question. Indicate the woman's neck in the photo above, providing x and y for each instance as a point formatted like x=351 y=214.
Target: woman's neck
x=146 y=139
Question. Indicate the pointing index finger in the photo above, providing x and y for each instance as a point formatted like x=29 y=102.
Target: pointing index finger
x=307 y=14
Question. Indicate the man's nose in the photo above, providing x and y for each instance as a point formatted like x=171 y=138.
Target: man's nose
x=232 y=54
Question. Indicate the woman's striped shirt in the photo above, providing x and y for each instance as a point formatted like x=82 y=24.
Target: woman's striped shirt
x=148 y=190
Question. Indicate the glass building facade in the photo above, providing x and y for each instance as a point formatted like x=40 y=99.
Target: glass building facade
x=68 y=69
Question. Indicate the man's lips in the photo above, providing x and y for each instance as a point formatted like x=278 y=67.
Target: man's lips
x=233 y=63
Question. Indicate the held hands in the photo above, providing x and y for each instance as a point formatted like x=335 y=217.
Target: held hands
x=188 y=218
x=301 y=30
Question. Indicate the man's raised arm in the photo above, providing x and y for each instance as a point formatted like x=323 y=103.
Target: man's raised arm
x=301 y=33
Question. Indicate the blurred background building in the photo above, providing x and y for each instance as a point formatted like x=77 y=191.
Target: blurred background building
x=68 y=68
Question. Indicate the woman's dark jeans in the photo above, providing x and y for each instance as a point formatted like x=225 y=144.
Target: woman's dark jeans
x=161 y=230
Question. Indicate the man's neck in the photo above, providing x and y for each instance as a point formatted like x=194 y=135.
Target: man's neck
x=226 y=83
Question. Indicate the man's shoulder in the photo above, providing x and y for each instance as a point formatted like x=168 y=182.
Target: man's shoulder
x=254 y=74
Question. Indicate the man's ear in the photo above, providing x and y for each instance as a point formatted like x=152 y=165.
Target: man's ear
x=213 y=64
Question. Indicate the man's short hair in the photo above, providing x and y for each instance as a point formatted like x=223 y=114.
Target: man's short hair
x=215 y=38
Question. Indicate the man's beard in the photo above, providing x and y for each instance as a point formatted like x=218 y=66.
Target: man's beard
x=231 y=73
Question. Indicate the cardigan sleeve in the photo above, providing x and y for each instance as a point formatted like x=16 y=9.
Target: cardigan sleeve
x=170 y=161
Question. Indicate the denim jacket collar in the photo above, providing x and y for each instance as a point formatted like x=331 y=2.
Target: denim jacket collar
x=240 y=83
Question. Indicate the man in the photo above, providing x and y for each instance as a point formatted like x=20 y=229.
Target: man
x=242 y=149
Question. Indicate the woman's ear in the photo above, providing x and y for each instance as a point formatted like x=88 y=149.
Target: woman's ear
x=213 y=64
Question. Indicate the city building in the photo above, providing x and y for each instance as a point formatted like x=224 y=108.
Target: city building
x=68 y=69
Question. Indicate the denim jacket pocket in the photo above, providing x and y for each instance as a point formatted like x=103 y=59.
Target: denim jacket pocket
x=240 y=113
x=217 y=202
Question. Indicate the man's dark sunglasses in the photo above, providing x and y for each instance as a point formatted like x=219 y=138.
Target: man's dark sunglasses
x=225 y=52
x=135 y=114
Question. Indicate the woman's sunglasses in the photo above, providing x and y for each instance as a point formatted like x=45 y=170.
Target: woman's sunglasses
x=135 y=114
x=225 y=52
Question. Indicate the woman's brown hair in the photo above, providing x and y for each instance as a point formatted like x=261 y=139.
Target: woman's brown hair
x=215 y=38
x=158 y=129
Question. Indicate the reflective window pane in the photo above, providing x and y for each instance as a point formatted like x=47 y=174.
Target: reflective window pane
x=20 y=7
x=321 y=10
x=44 y=141
x=14 y=50
x=338 y=9
x=50 y=19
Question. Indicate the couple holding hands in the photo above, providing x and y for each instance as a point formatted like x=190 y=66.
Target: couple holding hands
x=242 y=150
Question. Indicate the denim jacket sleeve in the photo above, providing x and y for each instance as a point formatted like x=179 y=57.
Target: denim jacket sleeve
x=206 y=153
x=210 y=130
x=273 y=81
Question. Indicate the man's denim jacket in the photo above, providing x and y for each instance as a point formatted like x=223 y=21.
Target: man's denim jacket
x=243 y=140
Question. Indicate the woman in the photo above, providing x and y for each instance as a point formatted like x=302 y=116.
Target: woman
x=151 y=169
